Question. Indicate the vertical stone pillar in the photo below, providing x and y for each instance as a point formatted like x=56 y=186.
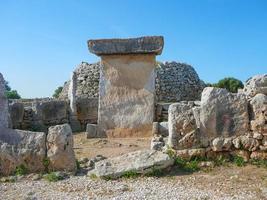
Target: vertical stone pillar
x=4 y=114
x=127 y=85
x=74 y=122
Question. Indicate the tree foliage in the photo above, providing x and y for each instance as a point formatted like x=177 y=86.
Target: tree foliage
x=11 y=94
x=57 y=92
x=229 y=83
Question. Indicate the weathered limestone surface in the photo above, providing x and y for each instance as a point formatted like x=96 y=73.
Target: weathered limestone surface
x=255 y=85
x=16 y=111
x=258 y=114
x=142 y=45
x=127 y=85
x=87 y=110
x=21 y=148
x=223 y=114
x=4 y=115
x=141 y=162
x=60 y=148
x=73 y=119
x=183 y=130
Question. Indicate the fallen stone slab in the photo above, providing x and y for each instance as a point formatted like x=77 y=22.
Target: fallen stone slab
x=141 y=45
x=21 y=149
x=140 y=162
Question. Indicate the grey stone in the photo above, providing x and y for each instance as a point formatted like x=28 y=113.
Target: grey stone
x=177 y=82
x=223 y=114
x=60 y=148
x=141 y=45
x=4 y=114
x=91 y=130
x=246 y=142
x=221 y=144
x=16 y=111
x=155 y=128
x=163 y=129
x=141 y=162
x=157 y=143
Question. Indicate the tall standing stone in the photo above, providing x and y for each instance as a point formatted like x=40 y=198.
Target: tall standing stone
x=4 y=116
x=127 y=85
x=75 y=124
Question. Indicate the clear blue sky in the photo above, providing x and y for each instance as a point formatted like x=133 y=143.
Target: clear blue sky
x=42 y=41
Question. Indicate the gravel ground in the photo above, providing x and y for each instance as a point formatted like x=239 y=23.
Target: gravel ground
x=222 y=183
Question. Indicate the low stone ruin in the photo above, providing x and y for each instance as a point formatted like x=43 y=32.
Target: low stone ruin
x=221 y=123
x=34 y=151
x=40 y=114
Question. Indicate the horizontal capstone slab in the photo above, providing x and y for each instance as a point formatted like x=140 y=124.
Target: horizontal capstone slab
x=141 y=45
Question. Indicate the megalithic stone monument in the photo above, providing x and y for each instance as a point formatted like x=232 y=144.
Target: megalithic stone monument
x=127 y=85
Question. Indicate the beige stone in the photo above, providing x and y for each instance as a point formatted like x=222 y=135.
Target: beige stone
x=259 y=155
x=126 y=99
x=191 y=153
x=60 y=148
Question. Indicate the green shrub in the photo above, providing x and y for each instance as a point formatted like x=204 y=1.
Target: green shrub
x=229 y=83
x=238 y=161
x=78 y=165
x=155 y=172
x=57 y=92
x=259 y=163
x=46 y=163
x=11 y=94
x=187 y=165
x=93 y=176
x=130 y=174
x=53 y=177
x=21 y=170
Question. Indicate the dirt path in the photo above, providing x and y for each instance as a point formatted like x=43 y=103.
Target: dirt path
x=108 y=147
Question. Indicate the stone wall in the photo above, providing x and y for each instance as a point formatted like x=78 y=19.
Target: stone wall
x=174 y=82
x=87 y=81
x=39 y=114
x=177 y=82
x=223 y=123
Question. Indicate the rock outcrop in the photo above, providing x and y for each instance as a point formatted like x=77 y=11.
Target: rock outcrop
x=140 y=162
x=255 y=85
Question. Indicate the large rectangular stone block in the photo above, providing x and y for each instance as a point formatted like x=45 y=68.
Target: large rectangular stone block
x=141 y=45
x=126 y=97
